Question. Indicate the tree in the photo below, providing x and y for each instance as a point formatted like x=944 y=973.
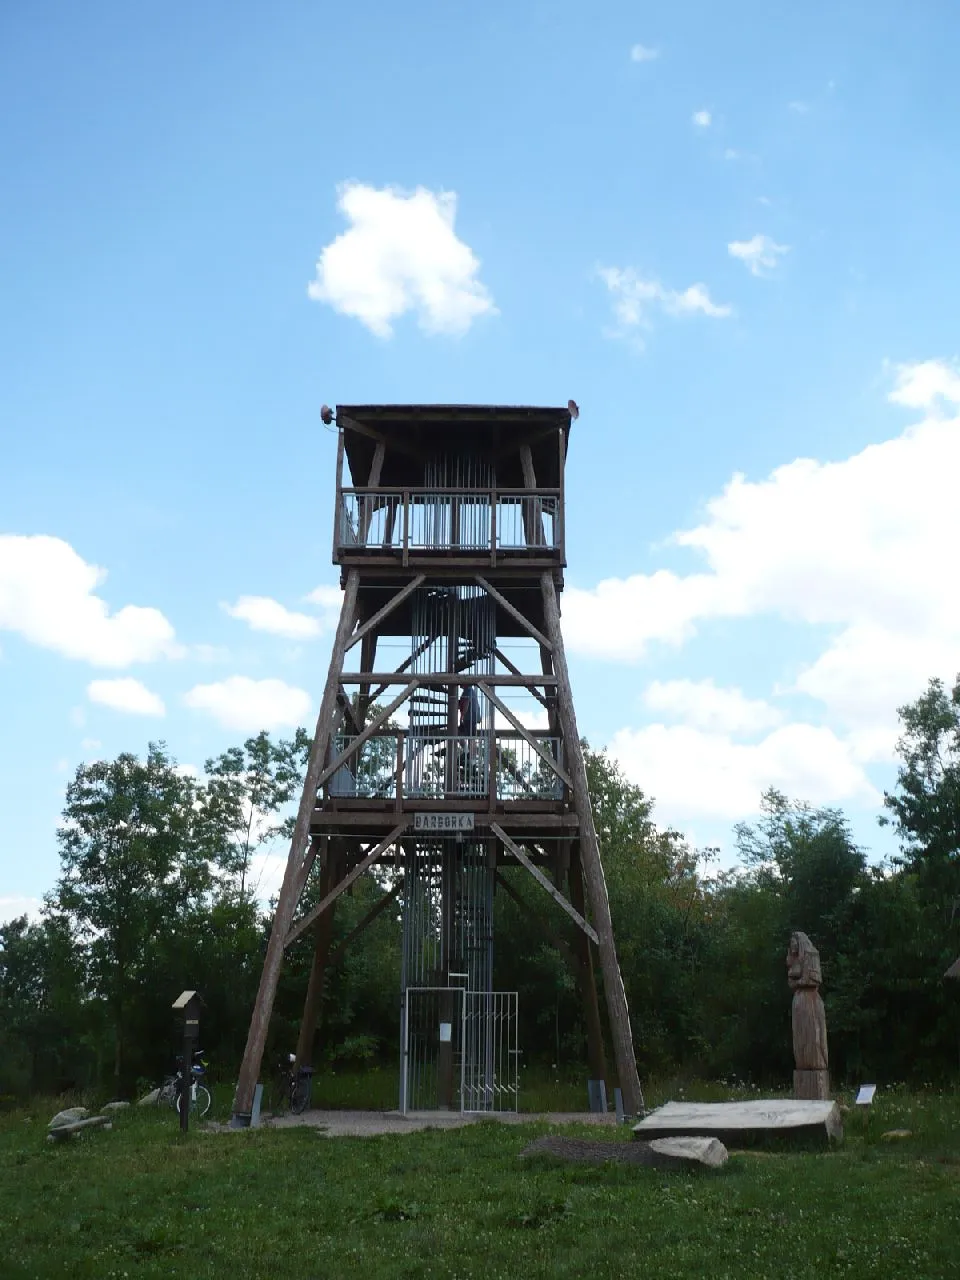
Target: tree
x=134 y=850
x=926 y=806
x=247 y=788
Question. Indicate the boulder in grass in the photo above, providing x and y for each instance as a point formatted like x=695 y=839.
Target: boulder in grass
x=114 y=1106
x=894 y=1135
x=149 y=1099
x=710 y=1152
x=61 y=1132
x=68 y=1116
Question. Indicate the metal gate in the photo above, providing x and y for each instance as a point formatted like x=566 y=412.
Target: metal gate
x=489 y=1076
x=459 y=1050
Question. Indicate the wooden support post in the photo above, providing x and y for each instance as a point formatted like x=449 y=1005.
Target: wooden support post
x=323 y=936
x=292 y=885
x=595 y=883
x=587 y=982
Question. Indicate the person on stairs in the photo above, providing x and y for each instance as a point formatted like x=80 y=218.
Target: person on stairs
x=468 y=728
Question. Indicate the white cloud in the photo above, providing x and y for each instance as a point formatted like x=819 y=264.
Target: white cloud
x=702 y=119
x=250 y=705
x=643 y=53
x=634 y=298
x=922 y=385
x=264 y=614
x=13 y=906
x=126 y=694
x=90 y=744
x=703 y=705
x=803 y=760
x=872 y=565
x=329 y=600
x=47 y=596
x=401 y=254
x=799 y=108
x=759 y=254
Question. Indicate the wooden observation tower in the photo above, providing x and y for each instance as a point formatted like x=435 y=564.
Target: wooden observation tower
x=447 y=743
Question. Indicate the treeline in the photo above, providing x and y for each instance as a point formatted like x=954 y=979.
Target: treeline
x=157 y=893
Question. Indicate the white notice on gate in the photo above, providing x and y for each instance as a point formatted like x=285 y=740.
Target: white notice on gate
x=446 y=1032
x=451 y=822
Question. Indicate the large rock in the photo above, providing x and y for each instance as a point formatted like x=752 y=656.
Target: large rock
x=739 y=1123
x=149 y=1099
x=114 y=1106
x=686 y=1151
x=61 y=1132
x=69 y=1116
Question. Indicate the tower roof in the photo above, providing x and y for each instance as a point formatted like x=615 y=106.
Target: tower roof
x=414 y=433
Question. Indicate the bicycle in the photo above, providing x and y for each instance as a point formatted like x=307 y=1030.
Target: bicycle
x=172 y=1090
x=294 y=1091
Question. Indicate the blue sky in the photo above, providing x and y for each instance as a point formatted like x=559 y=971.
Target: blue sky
x=728 y=232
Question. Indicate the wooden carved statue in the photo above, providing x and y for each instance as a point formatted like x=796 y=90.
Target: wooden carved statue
x=811 y=1079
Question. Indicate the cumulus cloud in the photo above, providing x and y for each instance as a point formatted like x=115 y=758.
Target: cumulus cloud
x=329 y=601
x=126 y=694
x=760 y=254
x=48 y=596
x=635 y=299
x=250 y=705
x=643 y=53
x=263 y=614
x=702 y=119
x=870 y=567
x=800 y=759
x=701 y=704
x=401 y=254
x=923 y=385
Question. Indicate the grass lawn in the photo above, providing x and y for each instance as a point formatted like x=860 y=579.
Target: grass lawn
x=143 y=1201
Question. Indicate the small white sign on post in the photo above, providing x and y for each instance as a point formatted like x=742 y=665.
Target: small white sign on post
x=865 y=1096
x=446 y=1032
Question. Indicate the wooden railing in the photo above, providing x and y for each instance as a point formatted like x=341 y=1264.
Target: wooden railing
x=420 y=764
x=472 y=521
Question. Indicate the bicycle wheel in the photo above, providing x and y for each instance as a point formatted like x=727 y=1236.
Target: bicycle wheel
x=299 y=1097
x=200 y=1105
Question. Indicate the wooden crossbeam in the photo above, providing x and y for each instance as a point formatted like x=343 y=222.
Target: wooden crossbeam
x=388 y=608
x=541 y=879
x=368 y=732
x=363 y=865
x=438 y=678
x=514 y=612
x=545 y=756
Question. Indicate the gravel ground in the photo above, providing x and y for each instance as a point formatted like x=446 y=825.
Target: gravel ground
x=365 y=1124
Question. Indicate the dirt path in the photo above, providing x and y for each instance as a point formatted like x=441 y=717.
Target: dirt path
x=365 y=1124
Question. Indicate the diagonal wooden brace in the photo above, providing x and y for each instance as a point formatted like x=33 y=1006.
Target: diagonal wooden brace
x=545 y=756
x=514 y=613
x=368 y=732
x=364 y=864
x=388 y=608
x=538 y=875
